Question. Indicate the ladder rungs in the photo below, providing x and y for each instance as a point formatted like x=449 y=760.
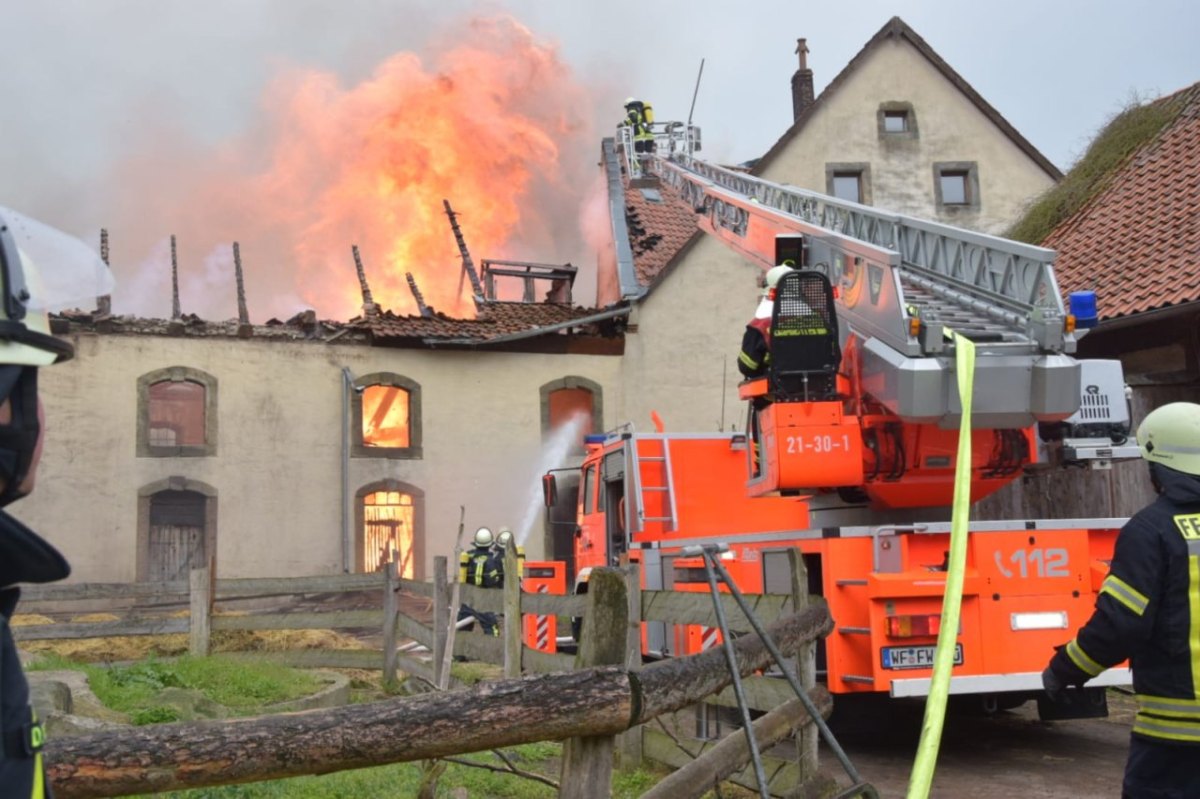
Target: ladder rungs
x=656 y=518
x=654 y=458
x=653 y=488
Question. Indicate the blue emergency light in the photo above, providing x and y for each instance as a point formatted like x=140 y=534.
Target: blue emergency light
x=594 y=438
x=1082 y=306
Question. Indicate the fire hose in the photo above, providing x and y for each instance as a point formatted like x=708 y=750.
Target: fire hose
x=921 y=778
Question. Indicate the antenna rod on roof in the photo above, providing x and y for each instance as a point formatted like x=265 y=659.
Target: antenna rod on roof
x=175 y=311
x=695 y=92
x=243 y=312
x=467 y=264
x=104 y=302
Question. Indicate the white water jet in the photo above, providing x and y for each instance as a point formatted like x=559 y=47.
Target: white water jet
x=553 y=455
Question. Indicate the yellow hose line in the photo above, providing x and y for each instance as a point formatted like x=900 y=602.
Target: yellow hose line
x=943 y=661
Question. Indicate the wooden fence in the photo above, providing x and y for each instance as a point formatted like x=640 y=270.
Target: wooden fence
x=665 y=742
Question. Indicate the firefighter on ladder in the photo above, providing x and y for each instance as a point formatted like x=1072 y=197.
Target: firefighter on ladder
x=638 y=118
x=755 y=356
x=482 y=567
x=34 y=260
x=1148 y=611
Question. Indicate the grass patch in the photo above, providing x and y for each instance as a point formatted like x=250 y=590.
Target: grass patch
x=243 y=686
x=1128 y=131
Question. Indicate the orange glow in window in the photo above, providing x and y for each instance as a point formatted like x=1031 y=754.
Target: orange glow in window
x=385 y=417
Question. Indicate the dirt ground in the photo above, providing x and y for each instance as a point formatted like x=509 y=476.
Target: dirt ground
x=1010 y=754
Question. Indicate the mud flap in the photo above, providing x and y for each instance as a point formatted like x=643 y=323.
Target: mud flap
x=1074 y=703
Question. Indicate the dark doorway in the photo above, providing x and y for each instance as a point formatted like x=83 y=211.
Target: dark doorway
x=176 y=537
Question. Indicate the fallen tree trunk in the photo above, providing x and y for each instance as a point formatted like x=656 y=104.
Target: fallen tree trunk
x=733 y=752
x=596 y=701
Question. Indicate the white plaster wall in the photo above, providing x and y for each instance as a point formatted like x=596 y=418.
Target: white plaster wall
x=689 y=329
x=950 y=128
x=278 y=460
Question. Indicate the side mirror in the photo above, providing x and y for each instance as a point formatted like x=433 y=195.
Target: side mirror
x=549 y=490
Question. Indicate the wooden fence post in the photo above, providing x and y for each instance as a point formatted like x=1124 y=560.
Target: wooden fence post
x=391 y=608
x=199 y=618
x=513 y=626
x=631 y=739
x=441 y=618
x=587 y=761
x=806 y=667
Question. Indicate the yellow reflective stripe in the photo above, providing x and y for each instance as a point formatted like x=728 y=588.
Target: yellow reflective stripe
x=39 y=776
x=1124 y=593
x=1081 y=659
x=1194 y=620
x=1170 y=706
x=1163 y=728
x=746 y=359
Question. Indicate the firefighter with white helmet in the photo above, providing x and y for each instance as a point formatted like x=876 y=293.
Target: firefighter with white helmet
x=482 y=567
x=755 y=355
x=41 y=269
x=1148 y=611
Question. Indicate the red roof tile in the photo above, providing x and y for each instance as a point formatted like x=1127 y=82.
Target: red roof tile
x=1137 y=243
x=495 y=320
x=659 y=226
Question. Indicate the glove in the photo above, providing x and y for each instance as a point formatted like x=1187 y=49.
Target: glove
x=1054 y=686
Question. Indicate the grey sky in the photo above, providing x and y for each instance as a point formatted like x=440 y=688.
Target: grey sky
x=81 y=79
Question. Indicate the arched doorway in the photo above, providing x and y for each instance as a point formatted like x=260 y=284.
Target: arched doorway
x=390 y=527
x=176 y=529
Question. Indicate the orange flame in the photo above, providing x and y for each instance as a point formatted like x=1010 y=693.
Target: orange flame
x=495 y=123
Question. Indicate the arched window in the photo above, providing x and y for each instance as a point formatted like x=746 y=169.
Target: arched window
x=387 y=416
x=391 y=527
x=177 y=413
x=574 y=402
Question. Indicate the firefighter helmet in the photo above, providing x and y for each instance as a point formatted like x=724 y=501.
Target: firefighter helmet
x=42 y=269
x=1170 y=435
x=630 y=101
x=504 y=537
x=775 y=274
x=484 y=537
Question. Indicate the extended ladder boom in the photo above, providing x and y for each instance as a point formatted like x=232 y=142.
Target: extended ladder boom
x=891 y=269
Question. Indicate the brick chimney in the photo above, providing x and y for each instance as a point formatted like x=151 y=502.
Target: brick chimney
x=802 y=82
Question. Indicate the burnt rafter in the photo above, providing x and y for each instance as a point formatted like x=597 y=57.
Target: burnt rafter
x=468 y=265
x=369 y=307
x=426 y=311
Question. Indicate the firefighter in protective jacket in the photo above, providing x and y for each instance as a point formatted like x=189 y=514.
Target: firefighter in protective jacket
x=1148 y=612
x=484 y=568
x=40 y=268
x=755 y=355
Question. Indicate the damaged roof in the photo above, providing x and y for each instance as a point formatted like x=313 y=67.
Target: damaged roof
x=1137 y=241
x=496 y=321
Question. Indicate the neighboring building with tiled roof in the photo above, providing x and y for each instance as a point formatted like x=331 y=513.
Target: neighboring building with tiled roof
x=1137 y=242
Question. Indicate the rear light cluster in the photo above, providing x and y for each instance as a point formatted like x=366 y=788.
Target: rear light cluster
x=913 y=626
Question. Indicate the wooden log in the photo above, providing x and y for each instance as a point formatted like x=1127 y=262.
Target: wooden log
x=732 y=753
x=300 y=621
x=176 y=756
x=666 y=685
x=513 y=626
x=391 y=604
x=806 y=667
x=591 y=702
x=630 y=747
x=100 y=629
x=199 y=628
x=685 y=607
x=441 y=622
x=661 y=748
x=587 y=761
x=408 y=627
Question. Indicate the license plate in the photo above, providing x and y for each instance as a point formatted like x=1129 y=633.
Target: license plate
x=915 y=657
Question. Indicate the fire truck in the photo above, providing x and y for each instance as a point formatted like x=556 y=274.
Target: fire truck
x=850 y=443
